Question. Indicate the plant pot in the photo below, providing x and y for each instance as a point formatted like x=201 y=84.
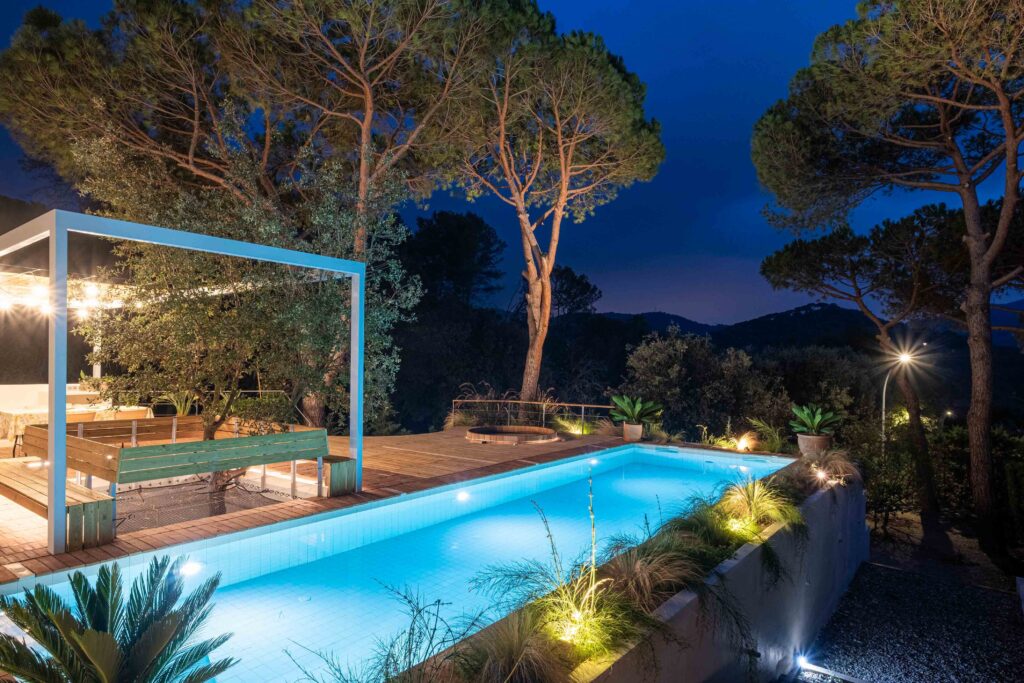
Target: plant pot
x=812 y=445
x=632 y=432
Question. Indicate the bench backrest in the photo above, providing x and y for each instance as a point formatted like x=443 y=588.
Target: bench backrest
x=104 y=450
x=198 y=457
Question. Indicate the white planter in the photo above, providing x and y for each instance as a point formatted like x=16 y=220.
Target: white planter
x=632 y=432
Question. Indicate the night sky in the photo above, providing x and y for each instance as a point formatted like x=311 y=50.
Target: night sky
x=689 y=242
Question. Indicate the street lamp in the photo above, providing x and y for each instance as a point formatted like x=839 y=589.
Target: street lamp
x=904 y=359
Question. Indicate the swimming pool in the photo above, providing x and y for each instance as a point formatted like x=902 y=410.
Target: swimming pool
x=321 y=583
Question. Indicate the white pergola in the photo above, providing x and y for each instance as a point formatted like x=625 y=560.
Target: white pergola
x=55 y=226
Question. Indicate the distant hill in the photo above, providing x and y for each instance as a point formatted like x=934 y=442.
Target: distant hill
x=658 y=321
x=813 y=324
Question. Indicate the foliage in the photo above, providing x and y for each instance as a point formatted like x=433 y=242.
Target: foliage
x=841 y=378
x=516 y=649
x=429 y=650
x=635 y=410
x=812 y=420
x=568 y=423
x=769 y=437
x=699 y=385
x=649 y=571
x=456 y=258
x=148 y=636
x=554 y=127
x=459 y=418
x=181 y=401
x=241 y=168
x=831 y=467
x=918 y=95
x=575 y=605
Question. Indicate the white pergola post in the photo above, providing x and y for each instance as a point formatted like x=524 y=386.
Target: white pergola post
x=56 y=447
x=55 y=226
x=355 y=416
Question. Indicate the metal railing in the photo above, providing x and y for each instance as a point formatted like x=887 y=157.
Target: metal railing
x=564 y=416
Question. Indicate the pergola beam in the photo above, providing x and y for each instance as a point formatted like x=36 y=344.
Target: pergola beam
x=55 y=226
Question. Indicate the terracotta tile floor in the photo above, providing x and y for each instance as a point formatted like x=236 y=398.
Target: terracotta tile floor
x=392 y=465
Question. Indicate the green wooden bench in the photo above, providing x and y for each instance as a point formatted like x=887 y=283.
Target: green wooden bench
x=90 y=514
x=116 y=452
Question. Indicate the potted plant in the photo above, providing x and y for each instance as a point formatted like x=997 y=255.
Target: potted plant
x=813 y=428
x=634 y=413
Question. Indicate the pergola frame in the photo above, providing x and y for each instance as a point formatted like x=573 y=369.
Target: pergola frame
x=55 y=226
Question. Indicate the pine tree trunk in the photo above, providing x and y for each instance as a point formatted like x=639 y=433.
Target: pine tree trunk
x=538 y=315
x=979 y=417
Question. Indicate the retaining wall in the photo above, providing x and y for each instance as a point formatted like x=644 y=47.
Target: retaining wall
x=783 y=619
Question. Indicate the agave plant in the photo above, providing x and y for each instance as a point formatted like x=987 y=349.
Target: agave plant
x=813 y=421
x=635 y=410
x=147 y=639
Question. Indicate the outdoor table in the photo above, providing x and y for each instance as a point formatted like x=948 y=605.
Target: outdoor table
x=14 y=420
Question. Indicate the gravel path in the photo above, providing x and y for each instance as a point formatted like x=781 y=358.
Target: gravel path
x=900 y=626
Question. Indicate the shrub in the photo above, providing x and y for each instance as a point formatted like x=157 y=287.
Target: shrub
x=150 y=637
x=516 y=649
x=698 y=384
x=769 y=437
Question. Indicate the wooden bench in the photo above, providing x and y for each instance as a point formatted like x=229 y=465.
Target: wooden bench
x=133 y=451
x=90 y=515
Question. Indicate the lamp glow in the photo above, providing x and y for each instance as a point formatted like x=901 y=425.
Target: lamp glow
x=905 y=358
x=92 y=291
x=5 y=303
x=802 y=662
x=593 y=461
x=191 y=568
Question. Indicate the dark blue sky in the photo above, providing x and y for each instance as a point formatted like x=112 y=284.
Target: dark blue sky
x=689 y=242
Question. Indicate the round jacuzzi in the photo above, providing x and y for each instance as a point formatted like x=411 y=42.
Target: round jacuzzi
x=511 y=435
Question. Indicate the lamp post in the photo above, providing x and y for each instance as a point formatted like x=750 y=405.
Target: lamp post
x=902 y=360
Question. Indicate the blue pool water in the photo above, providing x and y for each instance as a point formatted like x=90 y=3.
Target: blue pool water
x=322 y=584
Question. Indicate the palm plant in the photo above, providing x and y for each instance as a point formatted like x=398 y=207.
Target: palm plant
x=635 y=410
x=813 y=421
x=147 y=639
x=182 y=401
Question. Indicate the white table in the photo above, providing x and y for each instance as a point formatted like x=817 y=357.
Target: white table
x=14 y=420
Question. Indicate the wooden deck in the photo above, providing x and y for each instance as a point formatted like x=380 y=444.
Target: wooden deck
x=392 y=465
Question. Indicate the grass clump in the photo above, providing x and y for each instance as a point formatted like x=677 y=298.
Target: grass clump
x=516 y=649
x=570 y=424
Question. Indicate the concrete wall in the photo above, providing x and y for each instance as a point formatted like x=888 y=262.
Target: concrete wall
x=783 y=619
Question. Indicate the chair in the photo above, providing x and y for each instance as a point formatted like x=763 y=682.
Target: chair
x=132 y=414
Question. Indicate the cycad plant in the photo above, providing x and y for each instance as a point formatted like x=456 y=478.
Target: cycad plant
x=635 y=410
x=813 y=421
x=103 y=638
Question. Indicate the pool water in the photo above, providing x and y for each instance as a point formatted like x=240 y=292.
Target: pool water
x=332 y=592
